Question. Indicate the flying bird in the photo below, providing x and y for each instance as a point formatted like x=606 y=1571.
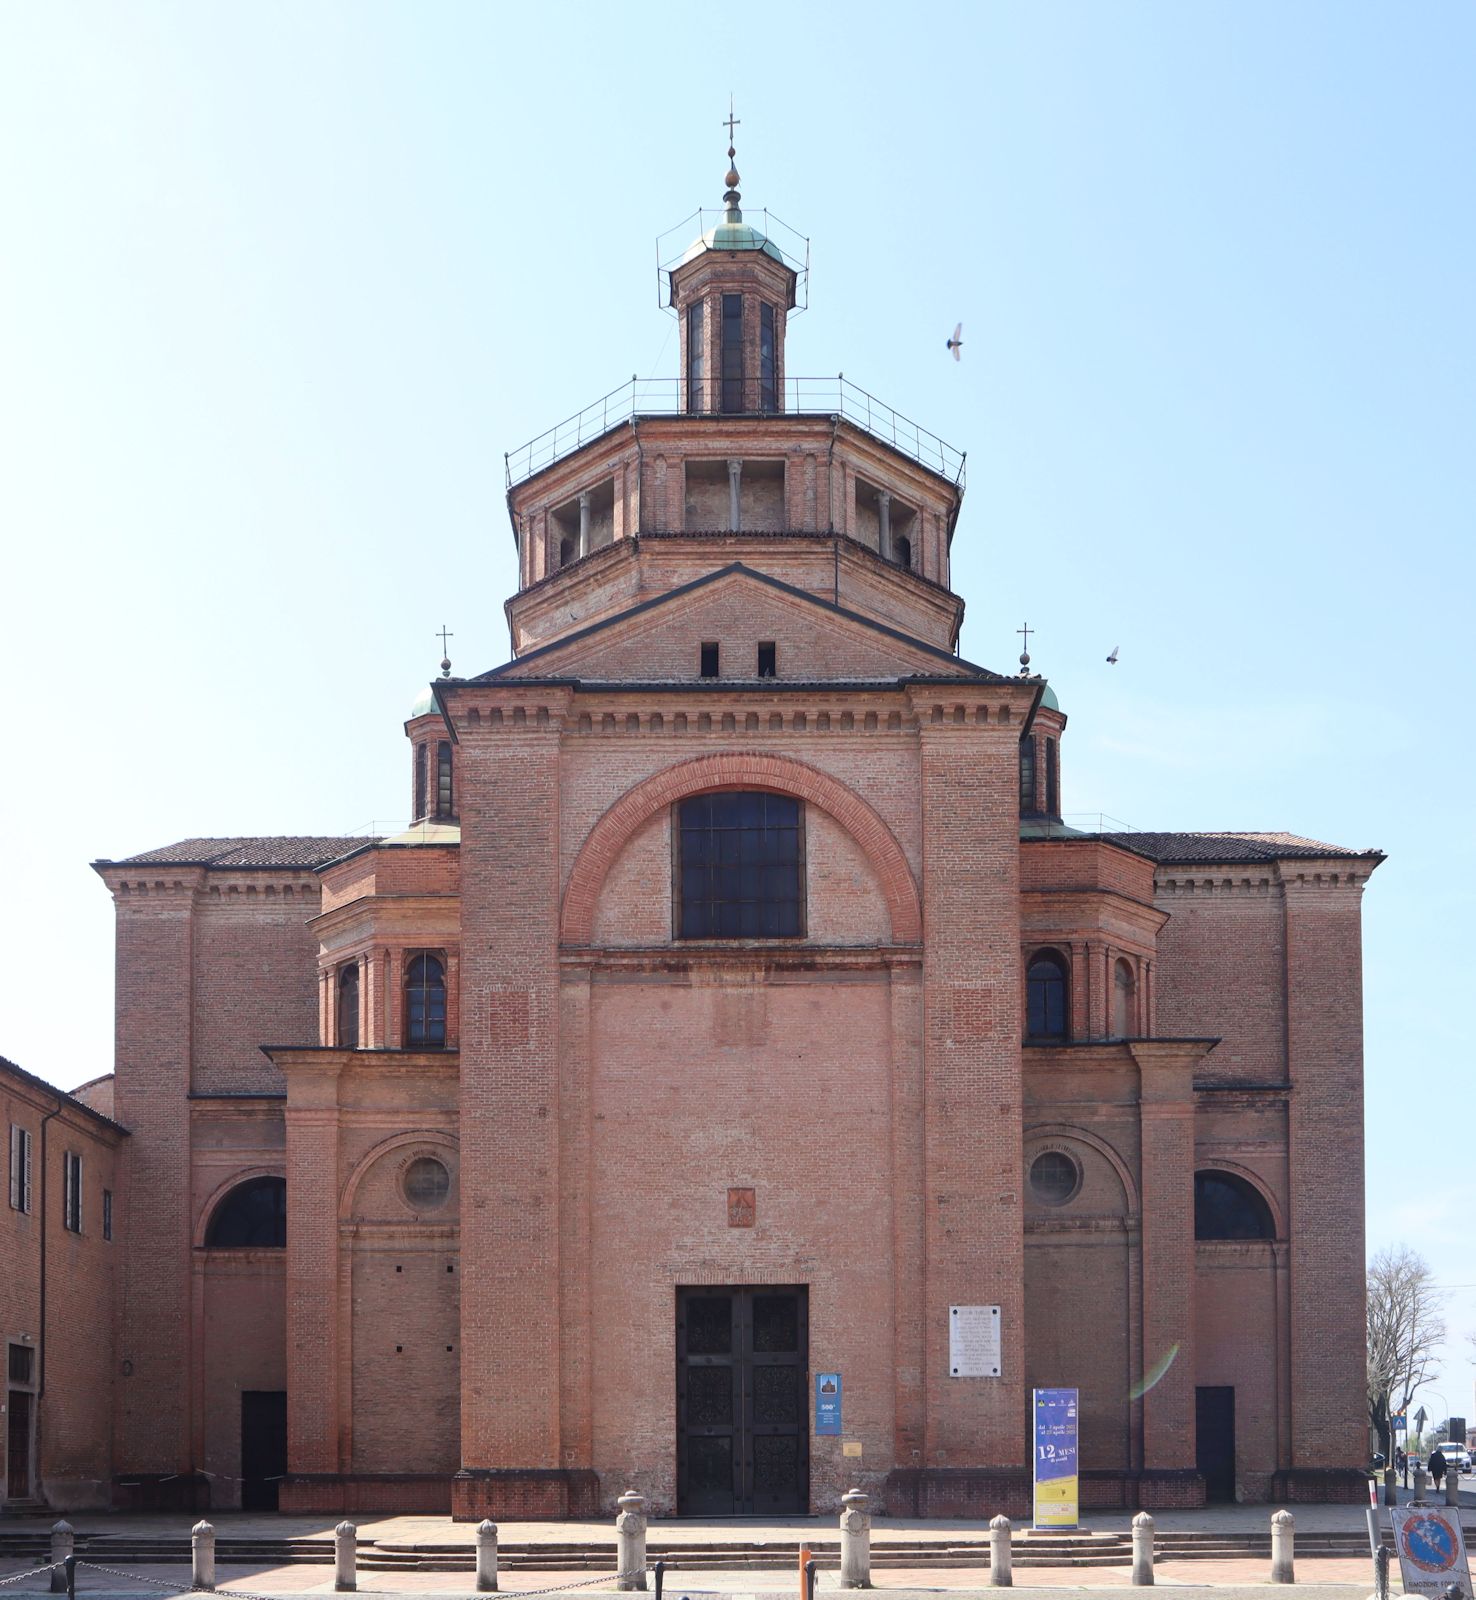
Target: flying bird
x=1112 y=659
x=955 y=344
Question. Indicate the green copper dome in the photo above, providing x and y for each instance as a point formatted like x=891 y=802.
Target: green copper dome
x=425 y=703
x=733 y=236
x=1048 y=700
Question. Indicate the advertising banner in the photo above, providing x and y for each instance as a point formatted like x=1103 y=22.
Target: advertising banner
x=1432 y=1554
x=1055 y=1458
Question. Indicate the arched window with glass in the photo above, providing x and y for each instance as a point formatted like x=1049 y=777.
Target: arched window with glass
x=425 y=1001
x=253 y=1216
x=445 y=796
x=1047 y=1013
x=1227 y=1206
x=348 y=1006
x=1028 y=805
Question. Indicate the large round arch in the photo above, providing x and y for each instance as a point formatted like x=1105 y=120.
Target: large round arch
x=701 y=775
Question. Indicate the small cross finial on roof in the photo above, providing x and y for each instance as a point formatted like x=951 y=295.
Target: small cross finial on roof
x=1027 y=630
x=732 y=197
x=443 y=636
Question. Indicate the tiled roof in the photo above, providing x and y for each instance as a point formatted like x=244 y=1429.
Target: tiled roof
x=8 y=1066
x=292 y=851
x=1170 y=848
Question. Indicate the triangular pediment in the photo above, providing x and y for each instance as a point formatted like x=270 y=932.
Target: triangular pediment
x=660 y=640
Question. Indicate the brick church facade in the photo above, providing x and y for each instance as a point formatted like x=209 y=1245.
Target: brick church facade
x=736 y=1006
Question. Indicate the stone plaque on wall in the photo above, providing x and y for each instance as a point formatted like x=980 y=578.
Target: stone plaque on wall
x=973 y=1341
x=741 y=1208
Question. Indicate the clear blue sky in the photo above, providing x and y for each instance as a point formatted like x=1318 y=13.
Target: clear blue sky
x=279 y=285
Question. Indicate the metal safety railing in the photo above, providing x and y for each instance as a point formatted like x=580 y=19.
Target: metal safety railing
x=737 y=398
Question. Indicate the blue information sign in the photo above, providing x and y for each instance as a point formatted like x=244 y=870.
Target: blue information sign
x=827 y=1402
x=1055 y=1458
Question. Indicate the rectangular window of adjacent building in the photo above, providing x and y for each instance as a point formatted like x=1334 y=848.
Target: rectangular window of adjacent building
x=766 y=667
x=768 y=371
x=696 y=357
x=740 y=867
x=20 y=1168
x=709 y=659
x=733 y=352
x=108 y=1214
x=72 y=1192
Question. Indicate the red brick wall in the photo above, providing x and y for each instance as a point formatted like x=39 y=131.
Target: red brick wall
x=242 y=1346
x=1238 y=1340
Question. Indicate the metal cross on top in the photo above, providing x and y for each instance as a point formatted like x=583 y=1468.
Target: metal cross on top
x=730 y=121
x=1027 y=630
x=443 y=636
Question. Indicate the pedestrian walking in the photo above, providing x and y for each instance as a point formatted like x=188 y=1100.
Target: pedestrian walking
x=1437 y=1466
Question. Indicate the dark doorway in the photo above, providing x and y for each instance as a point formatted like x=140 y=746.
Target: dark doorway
x=1214 y=1428
x=18 y=1445
x=263 y=1447
x=743 y=1437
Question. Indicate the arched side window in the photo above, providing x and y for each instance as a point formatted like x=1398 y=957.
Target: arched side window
x=425 y=1001
x=253 y=1216
x=1124 y=1012
x=420 y=790
x=445 y=800
x=1227 y=1207
x=348 y=1006
x=1046 y=1011
x=1028 y=806
x=1052 y=780
x=902 y=550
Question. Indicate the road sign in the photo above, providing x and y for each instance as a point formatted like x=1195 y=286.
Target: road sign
x=1432 y=1554
x=1420 y=1418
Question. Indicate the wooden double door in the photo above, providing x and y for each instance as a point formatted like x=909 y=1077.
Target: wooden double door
x=743 y=1437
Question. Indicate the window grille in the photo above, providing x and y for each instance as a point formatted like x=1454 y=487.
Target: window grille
x=444 y=798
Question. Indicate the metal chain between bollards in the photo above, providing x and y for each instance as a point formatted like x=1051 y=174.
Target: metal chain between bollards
x=35 y=1572
x=246 y=1594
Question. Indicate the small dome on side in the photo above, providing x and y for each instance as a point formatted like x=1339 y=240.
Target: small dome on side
x=425 y=704
x=1048 y=700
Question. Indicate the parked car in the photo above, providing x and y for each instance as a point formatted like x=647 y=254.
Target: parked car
x=1457 y=1457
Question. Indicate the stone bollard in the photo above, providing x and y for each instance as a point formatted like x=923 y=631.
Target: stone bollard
x=855 y=1532
x=1283 y=1537
x=1419 y=1488
x=345 y=1556
x=630 y=1533
x=486 y=1555
x=1142 y=1549
x=1391 y=1488
x=1001 y=1576
x=202 y=1556
x=1452 y=1486
x=63 y=1543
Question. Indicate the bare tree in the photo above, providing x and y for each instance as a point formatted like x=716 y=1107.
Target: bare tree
x=1405 y=1328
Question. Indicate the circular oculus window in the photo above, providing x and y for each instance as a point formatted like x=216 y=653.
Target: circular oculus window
x=1054 y=1177
x=426 y=1183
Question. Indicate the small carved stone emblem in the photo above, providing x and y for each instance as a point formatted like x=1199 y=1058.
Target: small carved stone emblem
x=741 y=1208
